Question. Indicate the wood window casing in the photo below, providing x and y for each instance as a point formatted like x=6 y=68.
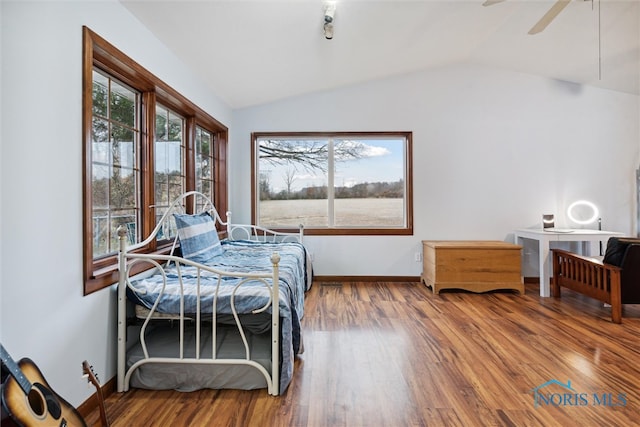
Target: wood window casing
x=101 y=55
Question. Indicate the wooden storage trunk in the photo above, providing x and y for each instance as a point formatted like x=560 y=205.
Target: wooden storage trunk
x=476 y=266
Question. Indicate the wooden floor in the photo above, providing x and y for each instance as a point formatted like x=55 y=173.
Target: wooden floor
x=394 y=354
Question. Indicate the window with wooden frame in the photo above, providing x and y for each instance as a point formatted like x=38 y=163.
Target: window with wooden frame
x=143 y=145
x=353 y=183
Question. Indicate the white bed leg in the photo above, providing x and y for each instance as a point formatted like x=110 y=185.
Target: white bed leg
x=275 y=327
x=122 y=311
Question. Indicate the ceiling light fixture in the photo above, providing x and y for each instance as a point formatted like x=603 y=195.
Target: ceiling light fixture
x=329 y=14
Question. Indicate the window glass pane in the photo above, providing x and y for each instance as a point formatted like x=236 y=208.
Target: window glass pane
x=127 y=219
x=160 y=151
x=123 y=205
x=203 y=167
x=168 y=229
x=173 y=153
x=123 y=189
x=168 y=168
x=204 y=162
x=100 y=94
x=204 y=142
x=114 y=167
x=169 y=149
x=161 y=123
x=161 y=196
x=123 y=147
x=100 y=232
x=369 y=182
x=175 y=190
x=99 y=130
x=101 y=156
x=292 y=182
x=123 y=105
x=204 y=187
x=100 y=187
x=175 y=127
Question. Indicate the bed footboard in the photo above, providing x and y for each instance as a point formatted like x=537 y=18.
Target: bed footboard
x=270 y=281
x=588 y=276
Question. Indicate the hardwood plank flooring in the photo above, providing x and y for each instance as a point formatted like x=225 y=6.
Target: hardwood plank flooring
x=394 y=354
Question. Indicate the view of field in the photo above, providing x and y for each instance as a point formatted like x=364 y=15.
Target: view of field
x=378 y=212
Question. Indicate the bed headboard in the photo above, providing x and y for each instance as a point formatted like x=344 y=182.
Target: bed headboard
x=198 y=203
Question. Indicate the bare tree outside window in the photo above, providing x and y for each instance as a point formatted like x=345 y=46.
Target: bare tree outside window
x=289 y=178
x=310 y=155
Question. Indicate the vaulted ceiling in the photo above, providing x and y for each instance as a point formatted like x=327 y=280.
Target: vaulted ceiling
x=256 y=51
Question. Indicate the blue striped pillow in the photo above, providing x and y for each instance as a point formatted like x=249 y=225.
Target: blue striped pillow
x=198 y=236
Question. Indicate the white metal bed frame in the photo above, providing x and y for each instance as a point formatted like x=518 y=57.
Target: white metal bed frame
x=127 y=258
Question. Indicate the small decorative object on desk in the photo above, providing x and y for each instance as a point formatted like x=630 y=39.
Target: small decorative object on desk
x=547 y=221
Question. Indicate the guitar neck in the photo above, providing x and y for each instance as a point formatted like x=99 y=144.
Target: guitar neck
x=15 y=371
x=93 y=379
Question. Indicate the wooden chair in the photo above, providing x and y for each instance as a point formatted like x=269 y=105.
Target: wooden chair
x=615 y=280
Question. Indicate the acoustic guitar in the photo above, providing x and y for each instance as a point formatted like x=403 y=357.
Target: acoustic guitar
x=92 y=377
x=30 y=401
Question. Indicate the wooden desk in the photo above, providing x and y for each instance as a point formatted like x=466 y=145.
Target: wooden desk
x=476 y=266
x=545 y=238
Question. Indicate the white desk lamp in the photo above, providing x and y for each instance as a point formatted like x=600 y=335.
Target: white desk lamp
x=583 y=212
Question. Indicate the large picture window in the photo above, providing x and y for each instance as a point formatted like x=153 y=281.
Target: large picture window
x=144 y=144
x=333 y=183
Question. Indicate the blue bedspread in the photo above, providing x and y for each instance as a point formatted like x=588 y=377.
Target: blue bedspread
x=245 y=257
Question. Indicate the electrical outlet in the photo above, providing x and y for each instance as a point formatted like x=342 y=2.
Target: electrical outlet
x=417 y=256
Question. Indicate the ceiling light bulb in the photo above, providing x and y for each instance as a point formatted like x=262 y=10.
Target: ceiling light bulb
x=328 y=30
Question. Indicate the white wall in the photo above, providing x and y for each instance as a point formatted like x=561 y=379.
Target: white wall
x=492 y=151
x=43 y=314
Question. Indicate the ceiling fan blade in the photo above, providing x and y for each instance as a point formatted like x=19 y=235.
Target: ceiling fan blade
x=549 y=16
x=491 y=2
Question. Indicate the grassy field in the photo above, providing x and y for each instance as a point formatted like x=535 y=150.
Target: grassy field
x=348 y=212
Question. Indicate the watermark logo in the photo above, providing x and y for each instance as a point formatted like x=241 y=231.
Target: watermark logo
x=556 y=393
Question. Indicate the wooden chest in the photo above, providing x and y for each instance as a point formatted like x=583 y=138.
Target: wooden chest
x=476 y=266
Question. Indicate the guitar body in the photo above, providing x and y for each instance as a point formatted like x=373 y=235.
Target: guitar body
x=41 y=406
